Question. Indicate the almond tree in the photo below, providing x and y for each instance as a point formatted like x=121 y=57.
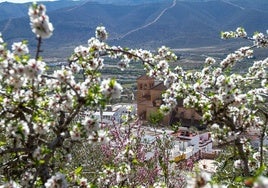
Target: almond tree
x=43 y=115
x=232 y=104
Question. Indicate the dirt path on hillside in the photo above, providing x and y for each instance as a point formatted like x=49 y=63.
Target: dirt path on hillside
x=150 y=23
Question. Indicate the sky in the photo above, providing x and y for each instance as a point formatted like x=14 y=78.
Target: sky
x=22 y=1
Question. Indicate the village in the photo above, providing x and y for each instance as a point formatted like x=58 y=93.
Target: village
x=193 y=145
x=191 y=142
x=131 y=93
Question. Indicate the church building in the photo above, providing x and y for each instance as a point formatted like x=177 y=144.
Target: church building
x=149 y=100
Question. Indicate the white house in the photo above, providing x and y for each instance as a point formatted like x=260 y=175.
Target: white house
x=188 y=144
x=114 y=113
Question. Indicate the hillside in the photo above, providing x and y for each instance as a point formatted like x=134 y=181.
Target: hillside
x=177 y=24
x=13 y=10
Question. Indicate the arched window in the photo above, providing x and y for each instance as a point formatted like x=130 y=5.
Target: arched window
x=145 y=86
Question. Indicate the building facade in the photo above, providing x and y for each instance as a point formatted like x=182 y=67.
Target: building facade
x=149 y=100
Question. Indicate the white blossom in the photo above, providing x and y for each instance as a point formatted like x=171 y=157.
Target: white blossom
x=75 y=133
x=20 y=48
x=42 y=27
x=81 y=51
x=261 y=182
x=83 y=183
x=123 y=64
x=110 y=88
x=90 y=123
x=40 y=21
x=210 y=61
x=1 y=40
x=241 y=32
x=260 y=40
x=34 y=68
x=215 y=126
x=36 y=11
x=10 y=184
x=56 y=181
x=96 y=44
x=37 y=153
x=101 y=33
x=238 y=164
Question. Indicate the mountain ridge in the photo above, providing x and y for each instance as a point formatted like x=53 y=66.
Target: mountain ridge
x=186 y=24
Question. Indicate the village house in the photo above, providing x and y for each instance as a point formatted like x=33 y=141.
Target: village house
x=188 y=146
x=111 y=114
x=191 y=146
x=114 y=113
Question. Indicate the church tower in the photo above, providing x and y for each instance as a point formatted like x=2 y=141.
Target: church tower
x=144 y=84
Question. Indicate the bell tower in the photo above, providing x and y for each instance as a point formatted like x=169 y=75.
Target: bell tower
x=144 y=83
